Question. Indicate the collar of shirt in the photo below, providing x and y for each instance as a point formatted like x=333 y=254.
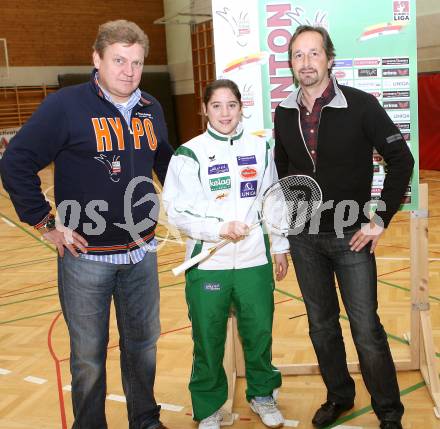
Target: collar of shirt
x=310 y=120
x=320 y=102
x=223 y=137
x=126 y=108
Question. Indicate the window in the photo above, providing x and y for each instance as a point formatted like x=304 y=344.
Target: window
x=203 y=64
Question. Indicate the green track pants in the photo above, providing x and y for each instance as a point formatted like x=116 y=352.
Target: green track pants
x=209 y=295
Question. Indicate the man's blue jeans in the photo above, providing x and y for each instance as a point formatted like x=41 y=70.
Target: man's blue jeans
x=86 y=289
x=317 y=259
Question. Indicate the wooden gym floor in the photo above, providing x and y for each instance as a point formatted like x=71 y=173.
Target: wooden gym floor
x=34 y=347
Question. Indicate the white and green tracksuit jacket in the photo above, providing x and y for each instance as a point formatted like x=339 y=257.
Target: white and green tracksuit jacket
x=214 y=179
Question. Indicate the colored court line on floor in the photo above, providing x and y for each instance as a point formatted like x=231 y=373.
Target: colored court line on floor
x=29 y=299
x=8 y=222
x=27 y=291
x=57 y=371
x=56 y=294
x=50 y=312
x=345 y=318
x=367 y=409
x=11 y=292
x=26 y=263
x=19 y=248
x=29 y=317
x=405 y=289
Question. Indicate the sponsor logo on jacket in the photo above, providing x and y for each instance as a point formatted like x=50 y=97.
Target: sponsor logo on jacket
x=220 y=183
x=248 y=189
x=113 y=166
x=246 y=160
x=221 y=196
x=248 y=173
x=109 y=133
x=218 y=168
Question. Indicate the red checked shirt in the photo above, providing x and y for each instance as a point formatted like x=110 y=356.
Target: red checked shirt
x=310 y=120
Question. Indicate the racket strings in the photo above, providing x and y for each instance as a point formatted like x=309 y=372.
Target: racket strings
x=291 y=202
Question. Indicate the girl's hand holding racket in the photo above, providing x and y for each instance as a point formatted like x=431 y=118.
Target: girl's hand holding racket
x=286 y=206
x=234 y=231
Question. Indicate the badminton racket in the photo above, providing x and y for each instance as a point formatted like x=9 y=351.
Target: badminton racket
x=285 y=206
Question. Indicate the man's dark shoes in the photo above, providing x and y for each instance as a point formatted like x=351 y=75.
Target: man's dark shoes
x=388 y=424
x=328 y=413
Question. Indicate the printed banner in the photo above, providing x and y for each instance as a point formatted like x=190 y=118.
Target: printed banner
x=376 y=52
x=5 y=136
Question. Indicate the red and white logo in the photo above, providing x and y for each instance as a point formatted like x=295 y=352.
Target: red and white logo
x=116 y=166
x=248 y=173
x=401 y=10
x=247 y=96
x=401 y=6
x=340 y=74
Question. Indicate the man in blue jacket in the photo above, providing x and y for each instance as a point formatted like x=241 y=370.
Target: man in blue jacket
x=105 y=138
x=329 y=131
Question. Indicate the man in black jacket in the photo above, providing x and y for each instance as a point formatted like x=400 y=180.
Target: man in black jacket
x=329 y=131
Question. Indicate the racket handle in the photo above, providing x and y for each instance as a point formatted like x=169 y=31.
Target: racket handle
x=190 y=262
x=253 y=226
x=203 y=255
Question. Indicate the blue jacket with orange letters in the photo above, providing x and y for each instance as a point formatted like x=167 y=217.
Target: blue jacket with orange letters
x=103 y=166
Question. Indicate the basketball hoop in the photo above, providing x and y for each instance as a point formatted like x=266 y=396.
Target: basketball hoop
x=197 y=12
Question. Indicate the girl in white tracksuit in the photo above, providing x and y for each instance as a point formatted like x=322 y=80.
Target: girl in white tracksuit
x=212 y=191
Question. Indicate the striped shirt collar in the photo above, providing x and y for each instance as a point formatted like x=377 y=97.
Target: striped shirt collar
x=132 y=101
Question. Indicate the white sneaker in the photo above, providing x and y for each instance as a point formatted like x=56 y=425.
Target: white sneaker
x=269 y=413
x=211 y=422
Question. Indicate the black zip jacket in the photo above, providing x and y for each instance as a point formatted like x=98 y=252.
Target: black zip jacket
x=350 y=127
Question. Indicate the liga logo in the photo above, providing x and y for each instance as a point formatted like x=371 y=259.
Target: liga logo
x=401 y=10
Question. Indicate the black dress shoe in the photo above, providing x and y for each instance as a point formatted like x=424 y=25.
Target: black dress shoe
x=388 y=424
x=328 y=413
